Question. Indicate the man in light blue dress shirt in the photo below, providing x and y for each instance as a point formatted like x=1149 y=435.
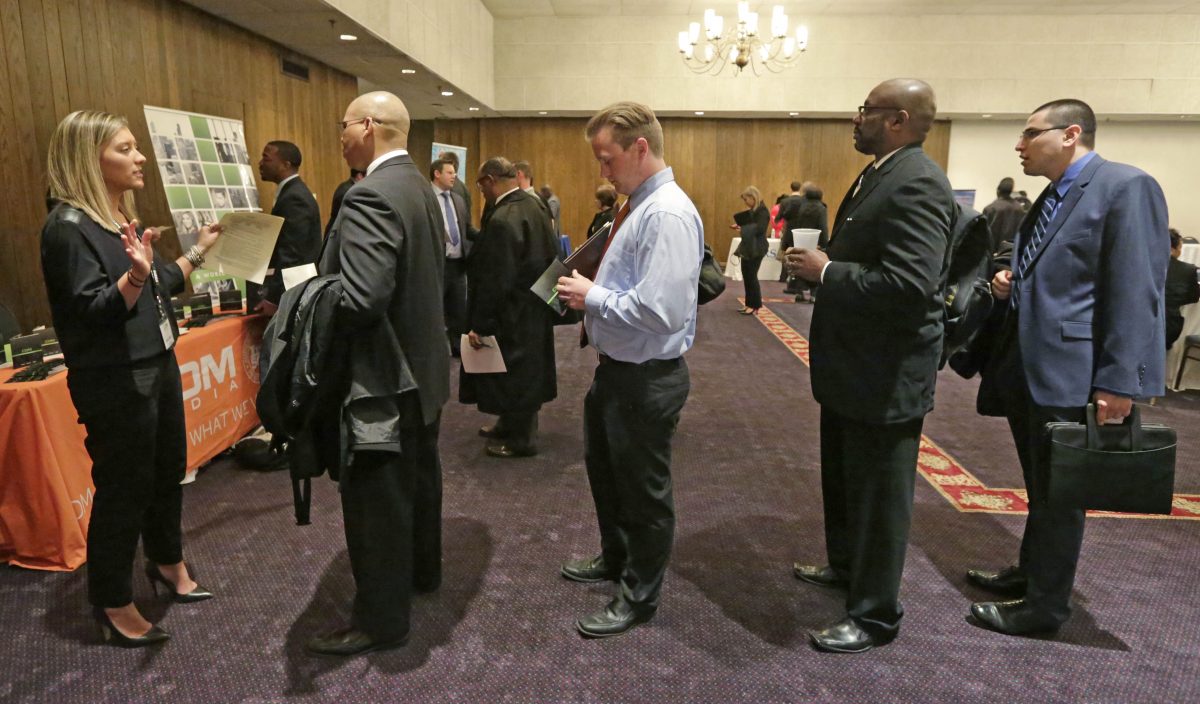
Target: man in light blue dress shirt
x=640 y=315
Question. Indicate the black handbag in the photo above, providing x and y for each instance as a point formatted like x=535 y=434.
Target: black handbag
x=1128 y=468
x=712 y=279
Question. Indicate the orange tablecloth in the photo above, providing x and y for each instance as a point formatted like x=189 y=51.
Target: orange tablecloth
x=45 y=473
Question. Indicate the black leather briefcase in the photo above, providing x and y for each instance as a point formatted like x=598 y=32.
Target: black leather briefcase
x=1128 y=468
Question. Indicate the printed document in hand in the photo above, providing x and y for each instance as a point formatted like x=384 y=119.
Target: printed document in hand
x=245 y=246
x=485 y=360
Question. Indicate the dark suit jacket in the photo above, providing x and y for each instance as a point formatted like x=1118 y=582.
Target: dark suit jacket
x=754 y=235
x=1004 y=216
x=877 y=326
x=300 y=238
x=1182 y=289
x=1091 y=300
x=387 y=244
x=338 y=194
x=465 y=231
x=513 y=250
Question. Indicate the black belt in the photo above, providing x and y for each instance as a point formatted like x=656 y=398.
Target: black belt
x=605 y=359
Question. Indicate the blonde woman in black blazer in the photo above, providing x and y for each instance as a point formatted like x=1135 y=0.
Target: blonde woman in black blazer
x=753 y=247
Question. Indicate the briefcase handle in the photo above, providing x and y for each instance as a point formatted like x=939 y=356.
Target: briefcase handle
x=1133 y=421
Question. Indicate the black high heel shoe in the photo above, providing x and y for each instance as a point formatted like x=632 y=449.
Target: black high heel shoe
x=156 y=577
x=112 y=636
x=749 y=311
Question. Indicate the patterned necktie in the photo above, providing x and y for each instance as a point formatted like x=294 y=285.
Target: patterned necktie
x=451 y=220
x=620 y=218
x=1045 y=217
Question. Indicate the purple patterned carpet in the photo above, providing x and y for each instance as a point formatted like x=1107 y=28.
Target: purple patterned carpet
x=733 y=619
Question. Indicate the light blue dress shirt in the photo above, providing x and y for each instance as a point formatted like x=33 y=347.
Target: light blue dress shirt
x=643 y=305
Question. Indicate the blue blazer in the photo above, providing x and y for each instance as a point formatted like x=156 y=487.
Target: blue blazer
x=1091 y=300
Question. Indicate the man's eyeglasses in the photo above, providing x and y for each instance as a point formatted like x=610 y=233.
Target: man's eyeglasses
x=1031 y=134
x=343 y=124
x=864 y=109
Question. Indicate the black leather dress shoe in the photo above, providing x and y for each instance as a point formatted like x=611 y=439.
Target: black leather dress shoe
x=506 y=451
x=845 y=636
x=1009 y=581
x=350 y=641
x=615 y=619
x=1014 y=618
x=491 y=431
x=588 y=570
x=822 y=575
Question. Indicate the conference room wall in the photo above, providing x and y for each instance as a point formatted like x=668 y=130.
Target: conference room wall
x=713 y=161
x=981 y=153
x=998 y=63
x=118 y=55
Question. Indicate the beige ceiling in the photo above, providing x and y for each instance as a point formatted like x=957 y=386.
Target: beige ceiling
x=516 y=9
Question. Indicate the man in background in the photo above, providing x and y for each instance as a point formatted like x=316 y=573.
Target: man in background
x=1003 y=215
x=338 y=194
x=300 y=237
x=459 y=238
x=515 y=247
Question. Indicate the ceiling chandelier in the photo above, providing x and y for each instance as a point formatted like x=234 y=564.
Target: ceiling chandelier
x=710 y=48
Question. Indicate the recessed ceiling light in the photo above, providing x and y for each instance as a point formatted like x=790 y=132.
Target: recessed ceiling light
x=794 y=114
x=541 y=112
x=986 y=114
x=699 y=112
x=473 y=109
x=447 y=93
x=348 y=38
x=408 y=70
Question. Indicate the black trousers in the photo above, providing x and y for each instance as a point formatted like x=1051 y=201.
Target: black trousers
x=519 y=429
x=136 y=439
x=753 y=287
x=392 y=511
x=454 y=300
x=1053 y=536
x=867 y=476
x=629 y=416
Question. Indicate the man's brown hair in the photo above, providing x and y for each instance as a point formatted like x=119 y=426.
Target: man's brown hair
x=628 y=122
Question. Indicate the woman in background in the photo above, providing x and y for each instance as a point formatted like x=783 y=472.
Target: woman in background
x=110 y=299
x=753 y=246
x=606 y=198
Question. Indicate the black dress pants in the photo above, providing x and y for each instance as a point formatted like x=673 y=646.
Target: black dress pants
x=519 y=429
x=454 y=300
x=750 y=278
x=136 y=439
x=867 y=476
x=392 y=511
x=629 y=416
x=1053 y=536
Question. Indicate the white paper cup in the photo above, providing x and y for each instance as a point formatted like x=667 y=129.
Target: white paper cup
x=805 y=238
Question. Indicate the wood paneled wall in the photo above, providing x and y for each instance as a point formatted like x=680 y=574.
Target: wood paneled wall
x=713 y=160
x=118 y=55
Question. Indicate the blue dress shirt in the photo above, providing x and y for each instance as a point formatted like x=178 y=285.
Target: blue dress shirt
x=643 y=305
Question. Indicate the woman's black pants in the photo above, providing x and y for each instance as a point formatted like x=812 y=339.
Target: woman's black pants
x=135 y=436
x=753 y=287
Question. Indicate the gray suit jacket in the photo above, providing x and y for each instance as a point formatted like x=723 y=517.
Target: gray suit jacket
x=388 y=246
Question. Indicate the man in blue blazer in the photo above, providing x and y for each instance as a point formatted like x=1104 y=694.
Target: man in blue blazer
x=1084 y=322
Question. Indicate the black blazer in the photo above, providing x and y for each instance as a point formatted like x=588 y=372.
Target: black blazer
x=388 y=246
x=300 y=238
x=600 y=218
x=754 y=235
x=876 y=330
x=81 y=263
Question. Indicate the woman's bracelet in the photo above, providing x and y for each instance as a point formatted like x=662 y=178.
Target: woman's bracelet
x=133 y=279
x=195 y=256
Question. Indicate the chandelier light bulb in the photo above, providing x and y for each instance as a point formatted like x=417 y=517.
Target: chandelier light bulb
x=802 y=37
x=789 y=47
x=752 y=23
x=743 y=11
x=683 y=42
